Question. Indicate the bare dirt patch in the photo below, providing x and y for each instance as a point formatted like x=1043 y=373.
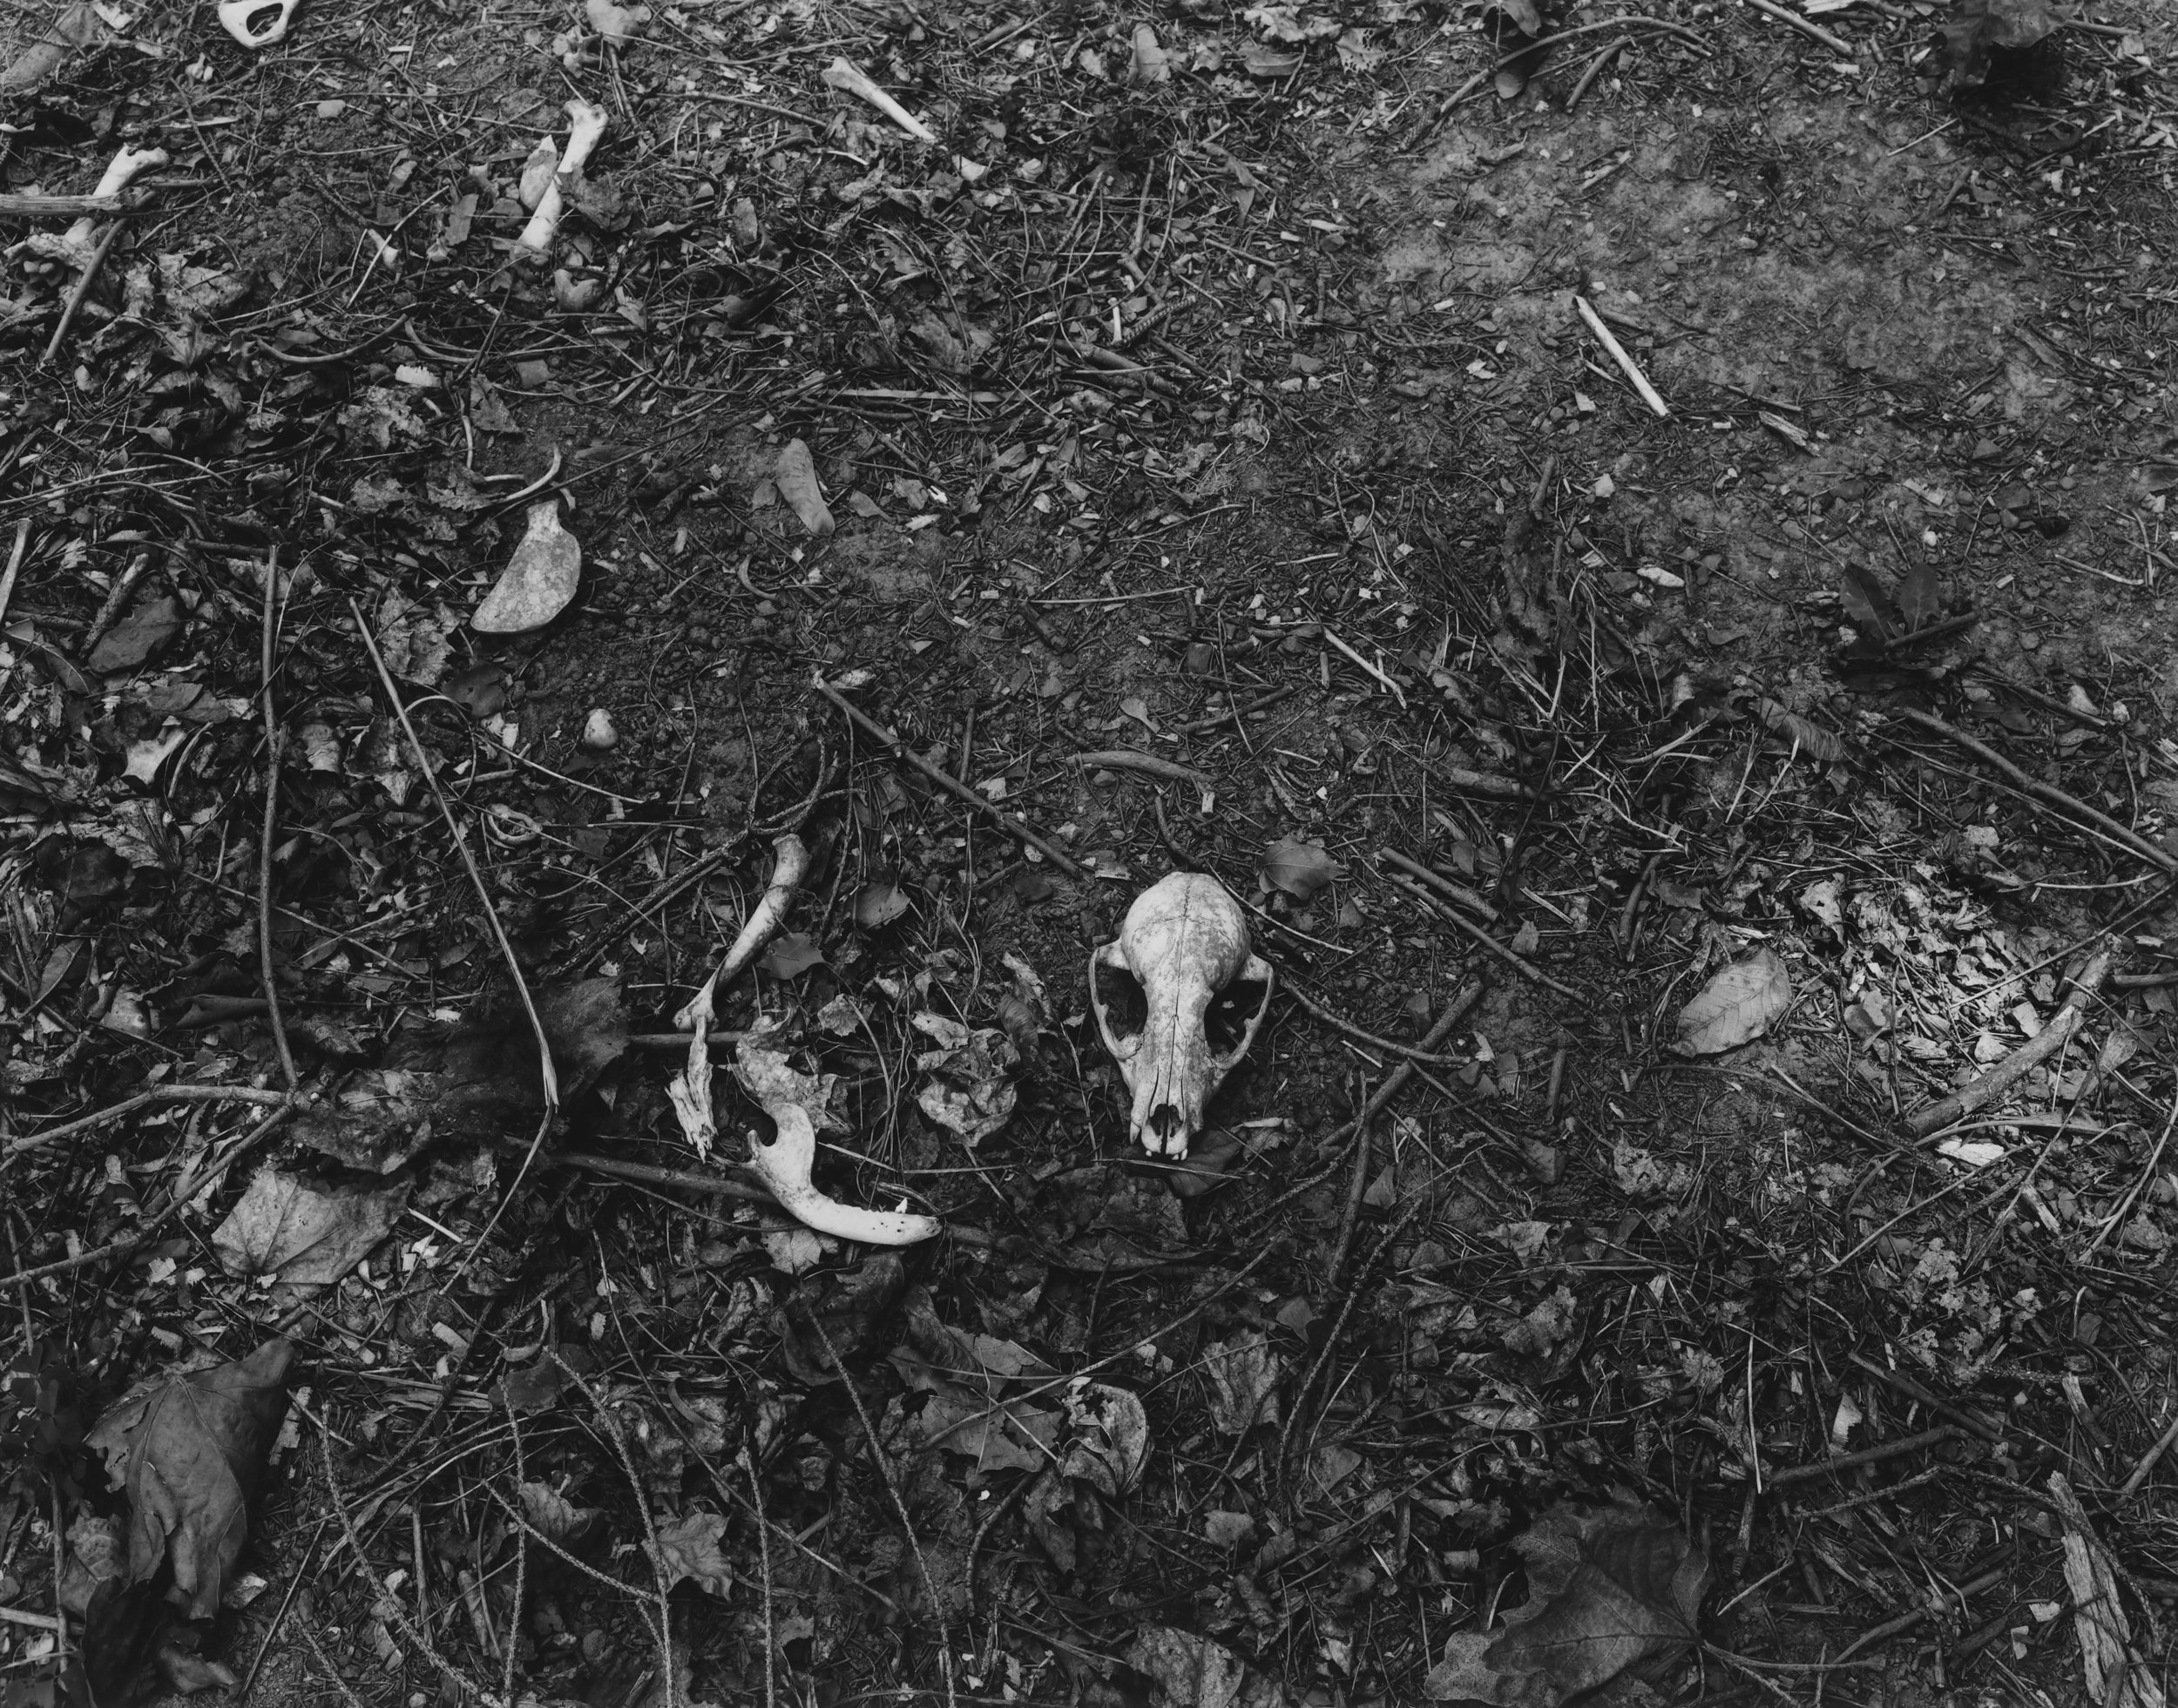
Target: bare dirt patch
x=1225 y=479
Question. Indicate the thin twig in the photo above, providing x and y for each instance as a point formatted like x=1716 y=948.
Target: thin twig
x=1443 y=885
x=1307 y=1386
x=2148 y=1172
x=1814 y=31
x=1125 y=758
x=2050 y=1040
x=184 y=1195
x=614 y=1432
x=2044 y=791
x=548 y=1079
x=251 y=1094
x=1394 y=1081
x=892 y=1488
x=1377 y=671
x=2131 y=1486
x=15 y=563
x=1868 y=1456
x=302 y=1574
x=1594 y=68
x=1390 y=1046
x=268 y=830
x=1356 y=1188
x=764 y=1562
x=945 y=780
x=346 y=1690
x=521 y=1557
x=79 y=294
x=386 y=1607
x=1616 y=351
x=1511 y=957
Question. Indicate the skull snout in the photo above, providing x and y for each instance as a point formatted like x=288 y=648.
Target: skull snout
x=1165 y=1131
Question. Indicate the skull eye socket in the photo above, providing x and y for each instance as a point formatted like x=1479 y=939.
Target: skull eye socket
x=1121 y=994
x=1226 y=1022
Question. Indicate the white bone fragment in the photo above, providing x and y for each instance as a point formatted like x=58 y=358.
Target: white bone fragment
x=236 y=18
x=587 y=126
x=845 y=74
x=1185 y=939
x=785 y=1164
x=77 y=243
x=790 y=864
x=689 y=1091
x=537 y=173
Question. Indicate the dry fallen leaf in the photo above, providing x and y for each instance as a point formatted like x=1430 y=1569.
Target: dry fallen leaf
x=306 y=1237
x=187 y=1456
x=1187 y=1670
x=689 y=1547
x=538 y=581
x=143 y=632
x=1301 y=869
x=1605 y=1590
x=1244 y=1374
x=796 y=479
x=1109 y=1437
x=1742 y=1002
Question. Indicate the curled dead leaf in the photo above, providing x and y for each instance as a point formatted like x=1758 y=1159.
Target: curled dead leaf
x=1742 y=1003
x=1606 y=1590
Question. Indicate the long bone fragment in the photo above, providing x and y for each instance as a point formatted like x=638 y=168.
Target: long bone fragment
x=587 y=124
x=690 y=1090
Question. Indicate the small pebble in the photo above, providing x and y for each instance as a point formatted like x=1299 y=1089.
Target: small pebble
x=598 y=733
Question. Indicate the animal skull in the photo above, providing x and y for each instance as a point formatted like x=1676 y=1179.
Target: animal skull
x=1185 y=939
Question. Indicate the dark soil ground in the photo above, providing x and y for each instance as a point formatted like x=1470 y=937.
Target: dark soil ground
x=1225 y=478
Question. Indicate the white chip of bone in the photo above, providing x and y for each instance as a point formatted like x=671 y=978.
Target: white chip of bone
x=599 y=734
x=1185 y=939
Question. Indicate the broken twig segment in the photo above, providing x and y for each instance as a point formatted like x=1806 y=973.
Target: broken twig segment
x=1836 y=45
x=2052 y=1038
x=1125 y=758
x=1511 y=957
x=2070 y=805
x=946 y=781
x=1377 y=671
x=1616 y=351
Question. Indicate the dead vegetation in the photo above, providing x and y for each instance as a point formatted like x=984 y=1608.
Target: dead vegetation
x=609 y=611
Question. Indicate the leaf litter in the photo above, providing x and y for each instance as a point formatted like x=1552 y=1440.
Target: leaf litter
x=1185 y=437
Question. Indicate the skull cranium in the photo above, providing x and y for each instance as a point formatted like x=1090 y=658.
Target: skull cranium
x=1185 y=939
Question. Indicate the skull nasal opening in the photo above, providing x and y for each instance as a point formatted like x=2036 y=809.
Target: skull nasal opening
x=1165 y=1120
